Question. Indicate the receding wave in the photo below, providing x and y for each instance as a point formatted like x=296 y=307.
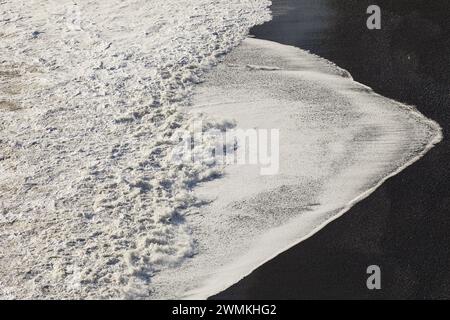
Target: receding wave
x=338 y=142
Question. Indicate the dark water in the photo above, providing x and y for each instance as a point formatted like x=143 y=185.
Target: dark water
x=404 y=227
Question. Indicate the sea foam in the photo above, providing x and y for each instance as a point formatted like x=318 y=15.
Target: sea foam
x=339 y=141
x=91 y=204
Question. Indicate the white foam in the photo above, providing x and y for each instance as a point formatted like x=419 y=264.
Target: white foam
x=339 y=141
x=91 y=205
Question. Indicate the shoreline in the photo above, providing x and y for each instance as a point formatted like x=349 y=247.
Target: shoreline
x=398 y=128
x=331 y=264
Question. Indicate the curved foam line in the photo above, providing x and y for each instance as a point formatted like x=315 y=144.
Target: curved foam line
x=204 y=292
x=437 y=138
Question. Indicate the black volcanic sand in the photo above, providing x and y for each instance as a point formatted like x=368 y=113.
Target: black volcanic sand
x=404 y=227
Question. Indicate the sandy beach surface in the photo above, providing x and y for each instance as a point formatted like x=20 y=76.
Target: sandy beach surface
x=94 y=203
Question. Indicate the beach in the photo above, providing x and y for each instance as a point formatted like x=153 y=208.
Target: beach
x=403 y=226
x=339 y=141
x=198 y=149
